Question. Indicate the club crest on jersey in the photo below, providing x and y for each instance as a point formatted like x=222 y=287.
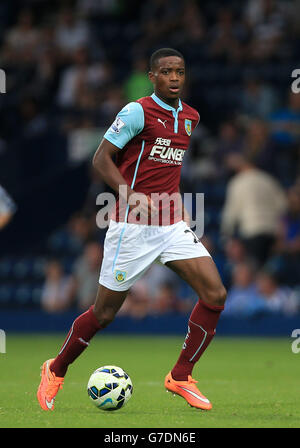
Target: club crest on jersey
x=120 y=276
x=188 y=127
x=117 y=125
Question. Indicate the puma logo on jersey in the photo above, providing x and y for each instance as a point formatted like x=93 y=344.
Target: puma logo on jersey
x=162 y=122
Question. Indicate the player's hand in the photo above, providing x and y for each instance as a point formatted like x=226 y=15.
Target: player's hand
x=142 y=205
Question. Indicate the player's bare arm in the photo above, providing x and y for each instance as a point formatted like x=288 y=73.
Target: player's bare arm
x=104 y=164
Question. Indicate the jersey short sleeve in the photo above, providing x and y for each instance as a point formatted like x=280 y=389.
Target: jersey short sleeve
x=128 y=123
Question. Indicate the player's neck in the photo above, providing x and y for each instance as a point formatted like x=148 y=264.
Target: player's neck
x=169 y=101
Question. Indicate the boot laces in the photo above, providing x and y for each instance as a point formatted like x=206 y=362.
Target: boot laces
x=54 y=384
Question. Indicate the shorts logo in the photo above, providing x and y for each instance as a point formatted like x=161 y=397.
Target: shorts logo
x=117 y=125
x=120 y=276
x=188 y=127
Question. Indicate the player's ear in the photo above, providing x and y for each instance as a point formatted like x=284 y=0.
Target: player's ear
x=151 y=77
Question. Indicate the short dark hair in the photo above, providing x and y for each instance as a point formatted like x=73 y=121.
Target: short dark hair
x=163 y=53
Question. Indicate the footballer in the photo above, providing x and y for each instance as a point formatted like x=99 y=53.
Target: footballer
x=140 y=158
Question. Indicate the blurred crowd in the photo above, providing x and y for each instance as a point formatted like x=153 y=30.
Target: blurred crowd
x=72 y=65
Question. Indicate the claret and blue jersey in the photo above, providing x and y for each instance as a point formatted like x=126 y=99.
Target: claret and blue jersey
x=153 y=138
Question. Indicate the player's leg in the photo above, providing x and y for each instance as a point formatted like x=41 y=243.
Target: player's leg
x=126 y=258
x=187 y=256
x=84 y=327
x=202 y=275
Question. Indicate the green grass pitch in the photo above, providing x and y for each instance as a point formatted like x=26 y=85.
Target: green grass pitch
x=251 y=383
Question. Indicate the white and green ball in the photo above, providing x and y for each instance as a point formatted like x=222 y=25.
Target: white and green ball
x=109 y=388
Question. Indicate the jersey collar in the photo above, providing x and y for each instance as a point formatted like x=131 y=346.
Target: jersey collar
x=165 y=105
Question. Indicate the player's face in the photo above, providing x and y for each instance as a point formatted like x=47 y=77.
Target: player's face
x=168 y=79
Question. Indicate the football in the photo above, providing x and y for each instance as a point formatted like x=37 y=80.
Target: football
x=109 y=388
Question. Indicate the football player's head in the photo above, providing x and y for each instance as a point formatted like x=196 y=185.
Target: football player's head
x=167 y=74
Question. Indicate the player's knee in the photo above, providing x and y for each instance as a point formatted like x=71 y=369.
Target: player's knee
x=105 y=316
x=216 y=296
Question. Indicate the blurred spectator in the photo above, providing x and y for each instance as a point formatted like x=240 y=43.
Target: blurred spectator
x=97 y=187
x=258 y=100
x=21 y=43
x=80 y=78
x=267 y=22
x=243 y=299
x=259 y=148
x=57 y=289
x=46 y=78
x=279 y=299
x=293 y=14
x=235 y=253
x=34 y=142
x=111 y=104
x=31 y=117
x=82 y=228
x=92 y=8
x=7 y=208
x=86 y=275
x=255 y=10
x=285 y=122
x=229 y=141
x=157 y=275
x=255 y=202
x=138 y=84
x=287 y=247
x=192 y=32
x=167 y=301
x=71 y=34
x=137 y=302
x=159 y=19
x=289 y=236
x=227 y=36
x=198 y=161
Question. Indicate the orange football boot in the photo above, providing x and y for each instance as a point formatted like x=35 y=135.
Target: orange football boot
x=188 y=391
x=49 y=386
